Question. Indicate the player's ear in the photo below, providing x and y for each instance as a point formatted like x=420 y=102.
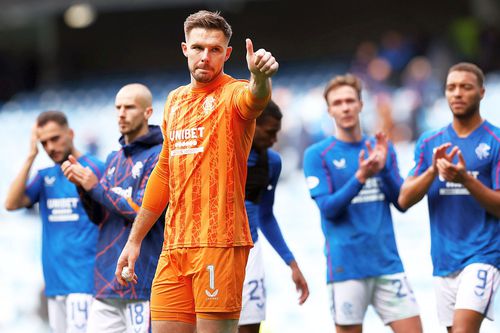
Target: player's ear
x=148 y=112
x=184 y=48
x=228 y=53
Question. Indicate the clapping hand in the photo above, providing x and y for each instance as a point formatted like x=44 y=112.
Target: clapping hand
x=78 y=174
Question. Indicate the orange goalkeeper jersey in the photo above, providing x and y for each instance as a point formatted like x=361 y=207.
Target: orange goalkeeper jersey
x=202 y=167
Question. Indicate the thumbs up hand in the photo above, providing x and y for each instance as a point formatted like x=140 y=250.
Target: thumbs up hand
x=261 y=63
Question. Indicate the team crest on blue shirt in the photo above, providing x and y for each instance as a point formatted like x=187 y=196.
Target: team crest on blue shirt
x=482 y=150
x=340 y=164
x=111 y=171
x=49 y=181
x=136 y=170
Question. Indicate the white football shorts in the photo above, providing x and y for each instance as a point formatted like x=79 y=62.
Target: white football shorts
x=253 y=309
x=69 y=313
x=119 y=315
x=472 y=288
x=390 y=295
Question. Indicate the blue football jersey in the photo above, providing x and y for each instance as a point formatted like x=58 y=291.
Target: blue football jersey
x=260 y=214
x=462 y=232
x=355 y=218
x=68 y=236
x=114 y=203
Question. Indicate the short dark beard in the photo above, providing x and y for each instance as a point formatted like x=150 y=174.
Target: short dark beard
x=470 y=112
x=65 y=158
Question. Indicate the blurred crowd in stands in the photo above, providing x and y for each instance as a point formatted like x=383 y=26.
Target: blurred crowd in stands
x=403 y=95
x=402 y=73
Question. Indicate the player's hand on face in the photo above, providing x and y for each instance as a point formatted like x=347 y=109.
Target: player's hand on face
x=34 y=141
x=300 y=283
x=127 y=258
x=261 y=63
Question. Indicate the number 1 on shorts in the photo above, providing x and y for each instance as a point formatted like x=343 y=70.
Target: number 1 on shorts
x=212 y=293
x=211 y=272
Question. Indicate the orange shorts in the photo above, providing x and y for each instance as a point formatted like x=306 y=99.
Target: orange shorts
x=199 y=282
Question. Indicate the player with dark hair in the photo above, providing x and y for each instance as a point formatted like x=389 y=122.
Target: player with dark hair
x=68 y=237
x=462 y=187
x=112 y=201
x=264 y=168
x=353 y=178
x=201 y=172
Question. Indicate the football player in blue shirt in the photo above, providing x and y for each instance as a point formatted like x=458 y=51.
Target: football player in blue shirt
x=264 y=168
x=113 y=202
x=353 y=179
x=458 y=167
x=68 y=237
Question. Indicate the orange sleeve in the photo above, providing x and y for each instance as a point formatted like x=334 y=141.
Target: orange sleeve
x=248 y=106
x=157 y=193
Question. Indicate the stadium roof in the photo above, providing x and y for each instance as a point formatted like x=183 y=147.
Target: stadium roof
x=19 y=13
